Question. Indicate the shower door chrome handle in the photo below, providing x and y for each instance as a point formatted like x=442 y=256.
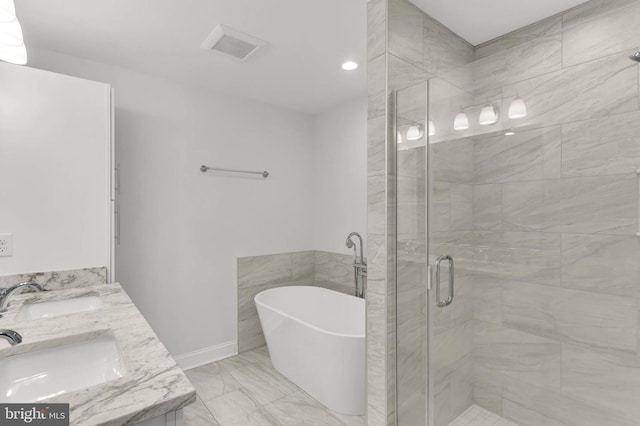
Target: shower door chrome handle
x=442 y=303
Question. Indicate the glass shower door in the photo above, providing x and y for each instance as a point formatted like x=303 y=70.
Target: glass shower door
x=411 y=254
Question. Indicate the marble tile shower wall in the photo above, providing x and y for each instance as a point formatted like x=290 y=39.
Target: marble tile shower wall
x=380 y=219
x=553 y=253
x=255 y=274
x=414 y=49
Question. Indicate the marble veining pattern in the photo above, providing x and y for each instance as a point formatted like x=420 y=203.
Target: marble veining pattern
x=259 y=396
x=154 y=384
x=57 y=280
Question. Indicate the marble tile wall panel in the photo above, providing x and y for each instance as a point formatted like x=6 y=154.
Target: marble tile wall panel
x=375 y=146
x=526 y=60
x=487 y=387
x=411 y=108
x=443 y=50
x=597 y=36
x=440 y=204
x=566 y=315
x=520 y=355
x=605 y=205
x=604 y=146
x=487 y=207
x=258 y=273
x=404 y=74
x=451 y=346
x=531 y=405
x=599 y=263
x=541 y=29
x=377 y=85
x=525 y=256
x=528 y=155
x=594 y=89
x=487 y=298
x=607 y=380
x=334 y=267
x=378 y=386
x=461 y=205
x=452 y=161
x=592 y=10
x=376 y=28
x=560 y=294
x=411 y=163
x=405 y=36
x=453 y=391
x=58 y=280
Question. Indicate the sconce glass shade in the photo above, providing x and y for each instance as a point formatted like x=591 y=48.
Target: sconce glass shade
x=398 y=138
x=517 y=109
x=415 y=133
x=7 y=11
x=461 y=122
x=11 y=33
x=488 y=115
x=13 y=54
x=432 y=128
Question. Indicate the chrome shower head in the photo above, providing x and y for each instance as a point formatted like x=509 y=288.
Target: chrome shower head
x=635 y=57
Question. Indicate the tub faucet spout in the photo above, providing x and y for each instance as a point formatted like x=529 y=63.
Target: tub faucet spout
x=359 y=264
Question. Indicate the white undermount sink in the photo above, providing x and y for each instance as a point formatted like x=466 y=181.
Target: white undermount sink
x=30 y=311
x=42 y=374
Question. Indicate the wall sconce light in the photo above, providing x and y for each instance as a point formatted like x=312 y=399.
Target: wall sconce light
x=12 y=48
x=398 y=138
x=461 y=121
x=432 y=128
x=517 y=109
x=488 y=115
x=415 y=132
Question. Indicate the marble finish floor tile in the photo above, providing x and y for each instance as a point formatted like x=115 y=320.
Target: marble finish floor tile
x=197 y=414
x=247 y=390
x=477 y=416
x=211 y=381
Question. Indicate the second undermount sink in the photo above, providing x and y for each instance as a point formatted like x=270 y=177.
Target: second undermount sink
x=42 y=374
x=30 y=311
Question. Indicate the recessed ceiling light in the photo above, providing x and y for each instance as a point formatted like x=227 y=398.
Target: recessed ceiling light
x=349 y=66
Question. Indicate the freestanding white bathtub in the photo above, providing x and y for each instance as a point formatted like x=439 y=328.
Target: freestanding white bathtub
x=316 y=338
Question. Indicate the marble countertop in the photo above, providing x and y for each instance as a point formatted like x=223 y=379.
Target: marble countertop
x=154 y=384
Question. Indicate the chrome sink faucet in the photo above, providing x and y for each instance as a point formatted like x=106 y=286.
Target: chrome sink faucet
x=5 y=293
x=11 y=336
x=359 y=265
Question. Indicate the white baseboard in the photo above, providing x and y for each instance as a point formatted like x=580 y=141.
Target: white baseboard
x=207 y=355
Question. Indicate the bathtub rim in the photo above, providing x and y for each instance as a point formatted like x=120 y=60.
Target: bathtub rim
x=314 y=327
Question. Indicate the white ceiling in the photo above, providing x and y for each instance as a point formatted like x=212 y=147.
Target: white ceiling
x=481 y=21
x=299 y=69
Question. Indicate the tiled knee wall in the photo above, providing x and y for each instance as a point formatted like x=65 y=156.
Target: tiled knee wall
x=258 y=273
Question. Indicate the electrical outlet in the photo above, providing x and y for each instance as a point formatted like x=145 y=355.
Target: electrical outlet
x=6 y=245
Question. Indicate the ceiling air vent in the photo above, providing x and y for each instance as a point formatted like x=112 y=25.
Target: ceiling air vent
x=233 y=43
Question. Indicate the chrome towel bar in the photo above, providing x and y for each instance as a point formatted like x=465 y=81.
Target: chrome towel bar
x=204 y=169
